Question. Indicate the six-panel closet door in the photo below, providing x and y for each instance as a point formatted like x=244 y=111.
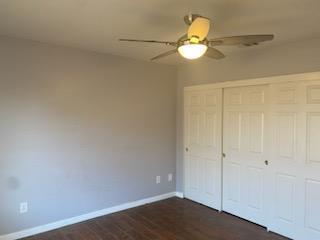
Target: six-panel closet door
x=245 y=152
x=203 y=131
x=295 y=155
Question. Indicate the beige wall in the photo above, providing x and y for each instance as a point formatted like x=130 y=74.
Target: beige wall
x=80 y=132
x=295 y=57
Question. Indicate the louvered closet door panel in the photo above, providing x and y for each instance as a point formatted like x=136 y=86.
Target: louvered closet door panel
x=203 y=129
x=244 y=177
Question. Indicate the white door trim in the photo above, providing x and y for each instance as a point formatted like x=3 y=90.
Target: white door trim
x=257 y=81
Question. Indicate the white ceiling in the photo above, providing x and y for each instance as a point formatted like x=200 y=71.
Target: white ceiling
x=97 y=24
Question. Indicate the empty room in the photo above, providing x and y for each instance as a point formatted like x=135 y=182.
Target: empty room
x=159 y=120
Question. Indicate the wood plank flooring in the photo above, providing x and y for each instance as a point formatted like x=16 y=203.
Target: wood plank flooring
x=171 y=219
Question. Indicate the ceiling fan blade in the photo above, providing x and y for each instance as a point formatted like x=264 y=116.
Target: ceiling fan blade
x=214 y=53
x=199 y=28
x=164 y=54
x=146 y=41
x=246 y=40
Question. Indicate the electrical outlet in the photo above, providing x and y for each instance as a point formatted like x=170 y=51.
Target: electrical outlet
x=170 y=177
x=23 y=207
x=158 y=179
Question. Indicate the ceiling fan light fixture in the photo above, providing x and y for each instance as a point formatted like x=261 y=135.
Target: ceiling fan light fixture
x=192 y=51
x=195 y=43
x=194 y=40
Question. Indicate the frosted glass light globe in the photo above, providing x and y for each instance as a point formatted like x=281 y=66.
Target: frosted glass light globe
x=192 y=51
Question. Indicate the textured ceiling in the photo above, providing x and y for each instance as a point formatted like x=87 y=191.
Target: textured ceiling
x=97 y=24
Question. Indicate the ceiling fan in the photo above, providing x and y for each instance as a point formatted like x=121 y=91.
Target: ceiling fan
x=195 y=43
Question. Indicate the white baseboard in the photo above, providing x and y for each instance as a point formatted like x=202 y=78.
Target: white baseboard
x=84 y=217
x=179 y=194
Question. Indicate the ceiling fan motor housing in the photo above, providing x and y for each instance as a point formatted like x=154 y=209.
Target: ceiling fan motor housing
x=188 y=19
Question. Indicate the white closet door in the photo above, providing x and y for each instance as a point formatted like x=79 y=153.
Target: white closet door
x=244 y=146
x=284 y=158
x=295 y=160
x=203 y=129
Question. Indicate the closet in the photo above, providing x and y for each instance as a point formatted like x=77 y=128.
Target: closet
x=252 y=149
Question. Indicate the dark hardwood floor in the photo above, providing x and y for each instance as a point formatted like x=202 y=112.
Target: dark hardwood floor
x=169 y=219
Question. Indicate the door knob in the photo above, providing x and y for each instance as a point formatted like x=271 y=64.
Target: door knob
x=187 y=149
x=266 y=162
